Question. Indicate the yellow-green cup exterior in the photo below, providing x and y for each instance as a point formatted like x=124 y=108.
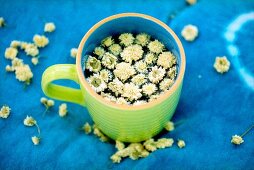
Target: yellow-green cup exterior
x=119 y=122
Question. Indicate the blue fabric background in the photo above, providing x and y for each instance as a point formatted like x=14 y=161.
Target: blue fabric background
x=213 y=108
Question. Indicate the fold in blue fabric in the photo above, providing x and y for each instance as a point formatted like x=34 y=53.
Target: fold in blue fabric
x=212 y=107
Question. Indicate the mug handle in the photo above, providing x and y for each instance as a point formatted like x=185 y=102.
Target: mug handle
x=60 y=72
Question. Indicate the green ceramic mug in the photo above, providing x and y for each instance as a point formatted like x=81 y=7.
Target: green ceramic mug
x=120 y=122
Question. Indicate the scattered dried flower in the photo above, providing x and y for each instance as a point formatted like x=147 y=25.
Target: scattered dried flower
x=40 y=40
x=98 y=133
x=191 y=2
x=221 y=64
x=10 y=53
x=2 y=22
x=169 y=126
x=63 y=110
x=24 y=73
x=5 y=111
x=164 y=142
x=181 y=143
x=73 y=52
x=30 y=49
x=237 y=140
x=9 y=68
x=49 y=27
x=35 y=60
x=150 y=145
x=15 y=44
x=119 y=145
x=29 y=121
x=189 y=32
x=87 y=128
x=35 y=140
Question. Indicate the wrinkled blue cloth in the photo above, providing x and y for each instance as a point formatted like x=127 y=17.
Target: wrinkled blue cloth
x=212 y=108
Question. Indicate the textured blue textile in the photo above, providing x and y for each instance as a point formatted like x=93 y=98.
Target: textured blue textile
x=212 y=107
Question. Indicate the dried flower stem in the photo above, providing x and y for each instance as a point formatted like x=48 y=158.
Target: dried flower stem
x=247 y=131
x=38 y=129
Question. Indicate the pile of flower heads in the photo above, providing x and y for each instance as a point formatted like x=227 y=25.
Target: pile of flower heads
x=131 y=69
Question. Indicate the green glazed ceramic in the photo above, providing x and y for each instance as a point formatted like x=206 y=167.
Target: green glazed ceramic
x=120 y=122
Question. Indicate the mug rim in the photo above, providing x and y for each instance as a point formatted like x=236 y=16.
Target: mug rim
x=162 y=97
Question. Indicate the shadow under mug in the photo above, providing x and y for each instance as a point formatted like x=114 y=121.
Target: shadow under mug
x=119 y=122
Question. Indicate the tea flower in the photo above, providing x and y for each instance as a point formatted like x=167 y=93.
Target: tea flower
x=9 y=68
x=121 y=100
x=150 y=58
x=169 y=126
x=166 y=60
x=141 y=67
x=97 y=83
x=156 y=46
x=109 y=60
x=108 y=97
x=44 y=100
x=139 y=79
x=181 y=143
x=116 y=86
x=40 y=40
x=87 y=128
x=106 y=75
x=73 y=52
x=2 y=22
x=139 y=102
x=132 y=53
x=142 y=39
x=15 y=44
x=30 y=49
x=189 y=32
x=108 y=41
x=98 y=133
x=156 y=74
x=164 y=142
x=150 y=145
x=35 y=60
x=92 y=64
x=149 y=89
x=24 y=73
x=172 y=73
x=126 y=39
x=116 y=158
x=115 y=49
x=63 y=110
x=10 y=53
x=119 y=145
x=237 y=140
x=99 y=51
x=49 y=27
x=123 y=71
x=17 y=62
x=35 y=140
x=131 y=91
x=191 y=2
x=5 y=111
x=166 y=83
x=154 y=97
x=29 y=121
x=221 y=64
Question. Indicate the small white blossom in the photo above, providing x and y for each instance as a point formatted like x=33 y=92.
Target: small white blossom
x=131 y=91
x=191 y=2
x=181 y=143
x=29 y=121
x=237 y=140
x=87 y=128
x=108 y=97
x=172 y=73
x=116 y=86
x=35 y=60
x=30 y=49
x=97 y=132
x=73 y=52
x=50 y=103
x=24 y=73
x=139 y=102
x=126 y=39
x=92 y=64
x=149 y=89
x=109 y=60
x=154 y=97
x=169 y=126
x=150 y=58
x=132 y=53
x=221 y=64
x=139 y=79
x=164 y=142
x=35 y=140
x=5 y=111
x=44 y=100
x=150 y=145
x=115 y=49
x=121 y=100
x=23 y=45
x=17 y=62
x=49 y=27
x=40 y=40
x=119 y=145
x=9 y=68
x=63 y=110
x=15 y=44
x=156 y=74
x=99 y=51
x=141 y=66
x=142 y=39
x=2 y=22
x=166 y=60
x=10 y=53
x=189 y=32
x=97 y=83
x=156 y=46
x=116 y=158
x=108 y=41
x=123 y=71
x=166 y=83
x=106 y=75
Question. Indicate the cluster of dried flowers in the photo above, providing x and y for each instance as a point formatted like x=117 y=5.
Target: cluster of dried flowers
x=129 y=69
x=134 y=150
x=23 y=71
